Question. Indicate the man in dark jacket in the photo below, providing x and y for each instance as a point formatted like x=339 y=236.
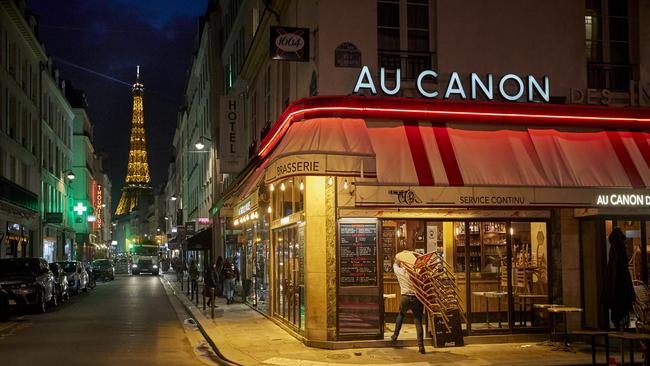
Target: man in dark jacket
x=618 y=295
x=230 y=275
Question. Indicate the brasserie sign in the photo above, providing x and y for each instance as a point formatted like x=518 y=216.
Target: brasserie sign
x=509 y=87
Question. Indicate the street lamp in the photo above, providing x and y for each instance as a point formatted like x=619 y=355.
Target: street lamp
x=70 y=175
x=200 y=144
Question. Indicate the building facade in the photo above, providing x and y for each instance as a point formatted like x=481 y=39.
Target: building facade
x=21 y=59
x=56 y=163
x=343 y=139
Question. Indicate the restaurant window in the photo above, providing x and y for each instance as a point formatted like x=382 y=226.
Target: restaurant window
x=290 y=274
x=607 y=44
x=288 y=196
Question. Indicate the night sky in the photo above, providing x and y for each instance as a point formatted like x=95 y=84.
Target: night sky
x=111 y=37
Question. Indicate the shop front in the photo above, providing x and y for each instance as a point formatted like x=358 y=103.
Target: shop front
x=514 y=197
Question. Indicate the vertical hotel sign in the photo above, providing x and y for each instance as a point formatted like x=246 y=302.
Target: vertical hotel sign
x=99 y=201
x=231 y=135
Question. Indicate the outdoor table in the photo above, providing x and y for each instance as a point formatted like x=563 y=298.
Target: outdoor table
x=522 y=304
x=564 y=310
x=631 y=337
x=548 y=342
x=593 y=334
x=488 y=295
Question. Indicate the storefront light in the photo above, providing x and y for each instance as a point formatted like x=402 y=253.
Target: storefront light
x=330 y=180
x=236 y=222
x=269 y=209
x=271 y=187
x=302 y=186
x=345 y=184
x=512 y=231
x=282 y=186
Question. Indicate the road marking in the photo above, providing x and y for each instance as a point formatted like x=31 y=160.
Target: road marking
x=280 y=361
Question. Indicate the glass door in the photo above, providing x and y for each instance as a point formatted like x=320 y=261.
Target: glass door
x=289 y=259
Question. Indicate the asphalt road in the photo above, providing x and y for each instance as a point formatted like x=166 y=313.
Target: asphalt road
x=129 y=321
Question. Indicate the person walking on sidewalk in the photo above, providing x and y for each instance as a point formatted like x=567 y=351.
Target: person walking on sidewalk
x=408 y=302
x=178 y=267
x=209 y=282
x=230 y=275
x=217 y=275
x=194 y=278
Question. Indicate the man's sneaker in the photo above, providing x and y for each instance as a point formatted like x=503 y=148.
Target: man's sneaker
x=393 y=339
x=422 y=351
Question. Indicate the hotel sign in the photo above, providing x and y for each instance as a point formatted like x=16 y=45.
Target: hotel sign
x=509 y=87
x=231 y=135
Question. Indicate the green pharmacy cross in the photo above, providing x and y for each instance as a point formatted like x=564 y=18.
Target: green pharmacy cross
x=80 y=209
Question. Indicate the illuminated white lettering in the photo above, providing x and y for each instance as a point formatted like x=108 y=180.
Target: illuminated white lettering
x=382 y=82
x=425 y=93
x=454 y=86
x=520 y=87
x=361 y=84
x=544 y=93
x=487 y=90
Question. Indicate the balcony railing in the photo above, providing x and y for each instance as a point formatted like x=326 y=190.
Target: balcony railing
x=411 y=63
x=610 y=76
x=19 y=196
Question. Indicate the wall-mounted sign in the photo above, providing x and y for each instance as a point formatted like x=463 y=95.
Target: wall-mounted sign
x=231 y=135
x=357 y=254
x=623 y=199
x=99 y=201
x=289 y=44
x=80 y=209
x=308 y=164
x=203 y=221
x=509 y=87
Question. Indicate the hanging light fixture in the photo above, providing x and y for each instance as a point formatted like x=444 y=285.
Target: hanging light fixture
x=269 y=209
x=271 y=187
x=302 y=185
x=282 y=186
x=330 y=180
x=345 y=184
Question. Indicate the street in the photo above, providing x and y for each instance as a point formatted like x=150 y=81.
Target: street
x=128 y=320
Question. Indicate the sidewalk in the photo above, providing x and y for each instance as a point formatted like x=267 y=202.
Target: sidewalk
x=246 y=337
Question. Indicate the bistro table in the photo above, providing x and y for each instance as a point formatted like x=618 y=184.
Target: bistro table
x=491 y=295
x=549 y=341
x=564 y=310
x=523 y=301
x=631 y=337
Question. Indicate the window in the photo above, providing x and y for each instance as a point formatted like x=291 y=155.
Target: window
x=607 y=44
x=347 y=55
x=403 y=36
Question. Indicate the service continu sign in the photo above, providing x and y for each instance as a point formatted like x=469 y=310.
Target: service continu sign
x=290 y=44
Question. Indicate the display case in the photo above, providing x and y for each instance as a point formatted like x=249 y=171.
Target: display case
x=487 y=246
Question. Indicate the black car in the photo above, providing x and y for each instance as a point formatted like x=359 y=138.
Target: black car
x=5 y=307
x=103 y=269
x=60 y=281
x=29 y=281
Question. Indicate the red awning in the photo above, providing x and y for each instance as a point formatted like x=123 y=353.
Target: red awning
x=407 y=152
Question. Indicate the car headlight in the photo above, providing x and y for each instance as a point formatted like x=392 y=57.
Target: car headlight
x=155 y=266
x=134 y=266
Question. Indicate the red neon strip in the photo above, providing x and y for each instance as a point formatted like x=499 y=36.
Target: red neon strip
x=625 y=159
x=450 y=111
x=448 y=155
x=641 y=141
x=418 y=153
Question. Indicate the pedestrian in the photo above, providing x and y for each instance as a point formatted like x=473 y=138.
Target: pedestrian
x=408 y=302
x=218 y=278
x=194 y=278
x=618 y=294
x=230 y=275
x=178 y=267
x=209 y=282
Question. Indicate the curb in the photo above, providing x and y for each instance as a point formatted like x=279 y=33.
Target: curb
x=170 y=288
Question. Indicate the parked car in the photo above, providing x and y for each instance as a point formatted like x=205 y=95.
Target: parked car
x=6 y=301
x=30 y=281
x=60 y=281
x=103 y=269
x=77 y=276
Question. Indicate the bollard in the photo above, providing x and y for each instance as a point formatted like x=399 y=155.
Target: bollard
x=196 y=292
x=212 y=302
x=203 y=293
x=188 y=285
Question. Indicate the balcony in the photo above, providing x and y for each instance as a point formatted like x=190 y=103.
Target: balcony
x=411 y=63
x=615 y=77
x=17 y=195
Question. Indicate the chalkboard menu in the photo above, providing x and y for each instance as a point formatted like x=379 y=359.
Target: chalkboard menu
x=388 y=241
x=358 y=254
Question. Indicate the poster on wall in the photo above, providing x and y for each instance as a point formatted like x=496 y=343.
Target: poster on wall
x=358 y=254
x=388 y=243
x=289 y=44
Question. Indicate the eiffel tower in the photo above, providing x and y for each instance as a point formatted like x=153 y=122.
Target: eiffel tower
x=138 y=181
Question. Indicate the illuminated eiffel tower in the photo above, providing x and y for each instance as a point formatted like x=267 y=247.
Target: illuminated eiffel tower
x=137 y=176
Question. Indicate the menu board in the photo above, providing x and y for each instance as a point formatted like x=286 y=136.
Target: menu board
x=358 y=254
x=388 y=241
